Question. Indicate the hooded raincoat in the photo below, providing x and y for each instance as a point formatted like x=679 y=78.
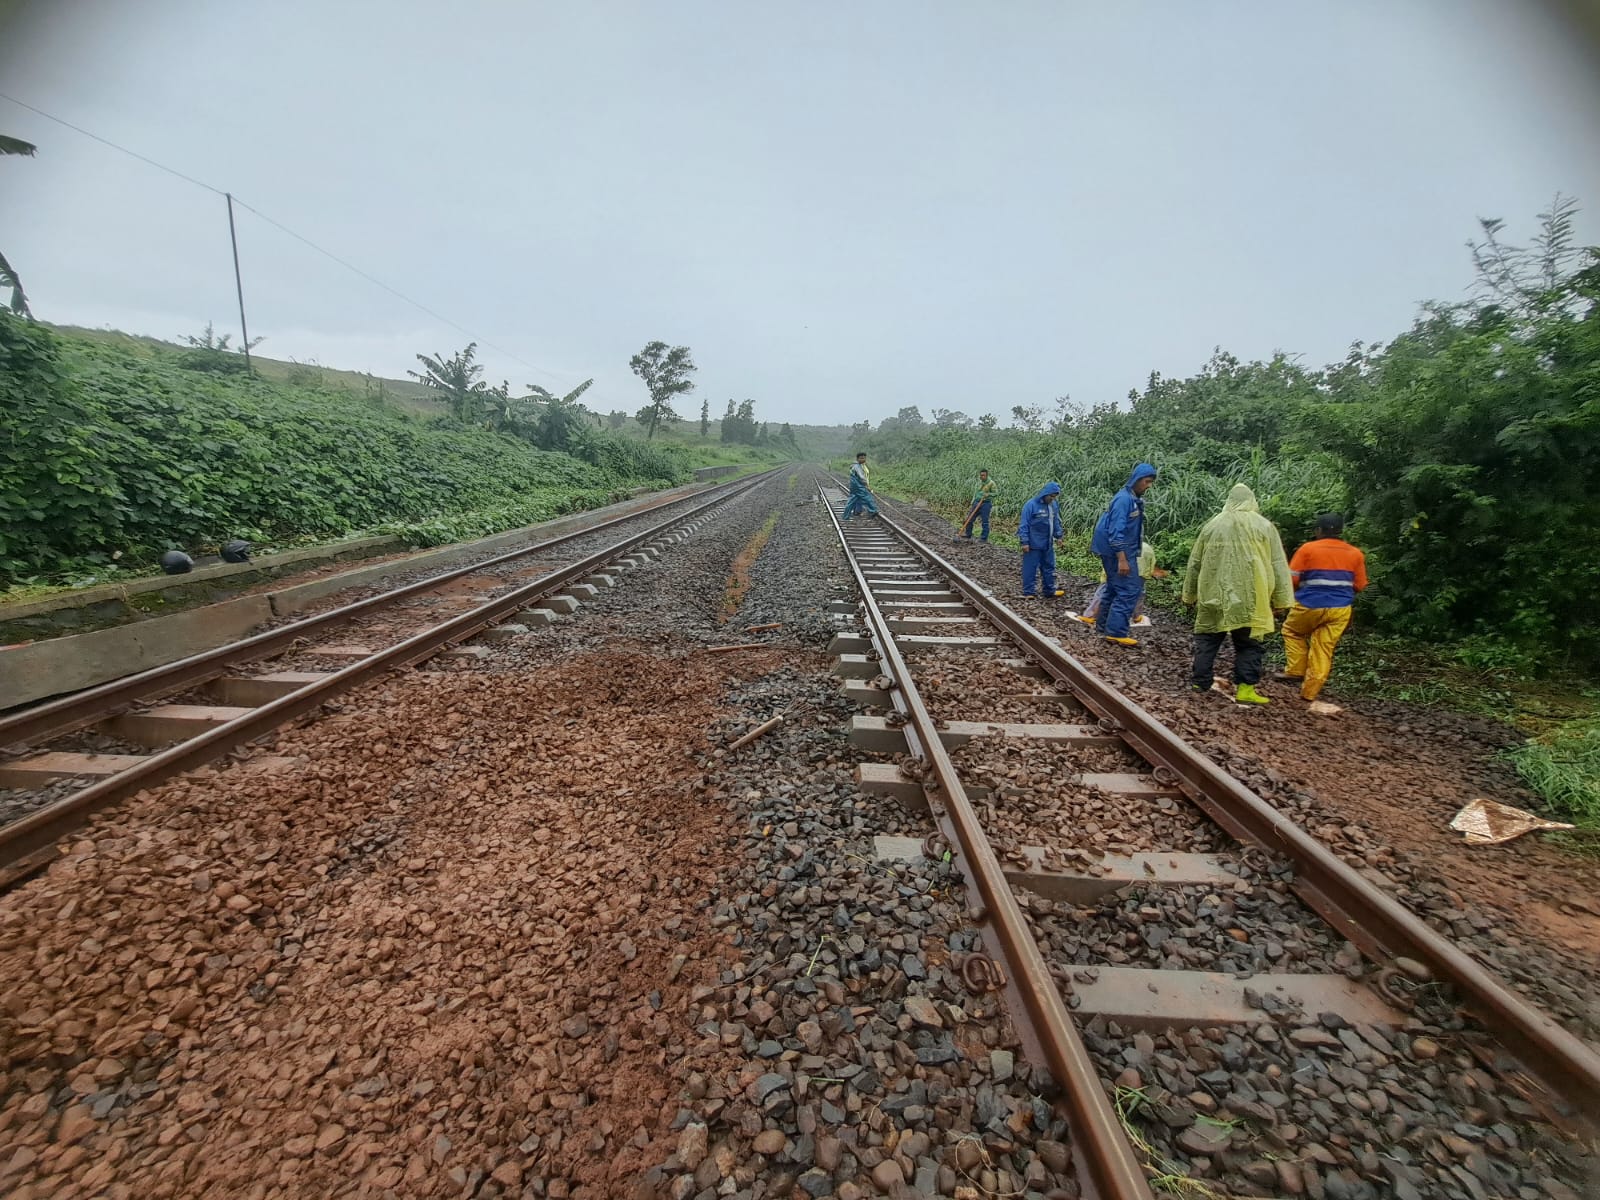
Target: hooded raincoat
x=1041 y=522
x=1037 y=530
x=1237 y=571
x=1121 y=527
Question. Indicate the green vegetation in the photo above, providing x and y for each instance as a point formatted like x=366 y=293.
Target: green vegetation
x=113 y=451
x=665 y=371
x=18 y=303
x=1167 y=1178
x=740 y=427
x=1564 y=768
x=405 y=394
x=1466 y=453
x=684 y=437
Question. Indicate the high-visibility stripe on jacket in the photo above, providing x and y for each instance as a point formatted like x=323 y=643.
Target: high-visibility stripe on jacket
x=1328 y=572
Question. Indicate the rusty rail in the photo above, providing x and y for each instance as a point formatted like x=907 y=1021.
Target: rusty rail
x=67 y=713
x=1106 y=1158
x=1381 y=926
x=41 y=828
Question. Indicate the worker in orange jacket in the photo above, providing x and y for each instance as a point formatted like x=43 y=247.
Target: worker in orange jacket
x=1328 y=572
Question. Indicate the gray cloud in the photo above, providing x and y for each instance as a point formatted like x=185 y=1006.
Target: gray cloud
x=952 y=205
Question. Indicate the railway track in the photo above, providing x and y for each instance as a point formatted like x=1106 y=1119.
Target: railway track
x=76 y=755
x=1044 y=781
x=623 y=891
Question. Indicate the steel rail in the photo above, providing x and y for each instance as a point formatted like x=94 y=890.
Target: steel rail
x=67 y=713
x=1102 y=1148
x=1380 y=925
x=41 y=828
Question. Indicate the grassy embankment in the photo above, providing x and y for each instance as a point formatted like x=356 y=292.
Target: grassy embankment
x=117 y=449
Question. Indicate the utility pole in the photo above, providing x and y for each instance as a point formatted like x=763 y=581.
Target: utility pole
x=238 y=283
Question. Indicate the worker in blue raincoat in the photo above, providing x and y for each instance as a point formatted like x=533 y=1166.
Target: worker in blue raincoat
x=1117 y=537
x=862 y=497
x=1038 y=531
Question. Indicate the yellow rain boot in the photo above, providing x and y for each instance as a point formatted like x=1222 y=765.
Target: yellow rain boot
x=1246 y=693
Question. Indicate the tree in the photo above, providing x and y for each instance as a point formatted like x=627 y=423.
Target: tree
x=560 y=419
x=1067 y=414
x=987 y=422
x=951 y=418
x=211 y=352
x=500 y=410
x=665 y=371
x=8 y=277
x=860 y=430
x=705 y=418
x=457 y=378
x=1470 y=451
x=1526 y=280
x=209 y=339
x=739 y=426
x=1028 y=417
x=786 y=437
x=747 y=421
x=616 y=418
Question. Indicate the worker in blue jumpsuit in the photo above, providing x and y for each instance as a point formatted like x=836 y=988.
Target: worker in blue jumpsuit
x=862 y=498
x=1038 y=531
x=1118 y=536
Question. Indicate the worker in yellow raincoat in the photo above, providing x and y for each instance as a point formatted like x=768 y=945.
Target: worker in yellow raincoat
x=1237 y=581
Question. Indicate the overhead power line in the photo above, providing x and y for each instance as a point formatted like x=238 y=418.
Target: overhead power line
x=107 y=142
x=281 y=227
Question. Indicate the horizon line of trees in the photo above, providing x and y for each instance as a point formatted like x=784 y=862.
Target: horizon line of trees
x=740 y=427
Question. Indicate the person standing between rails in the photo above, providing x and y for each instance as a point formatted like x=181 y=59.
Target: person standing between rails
x=1038 y=531
x=1328 y=572
x=1237 y=582
x=982 y=503
x=862 y=497
x=1118 y=535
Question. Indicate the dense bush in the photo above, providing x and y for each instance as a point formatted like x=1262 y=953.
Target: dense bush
x=1091 y=464
x=110 y=450
x=1466 y=452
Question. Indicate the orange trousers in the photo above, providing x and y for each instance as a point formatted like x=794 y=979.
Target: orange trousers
x=1309 y=636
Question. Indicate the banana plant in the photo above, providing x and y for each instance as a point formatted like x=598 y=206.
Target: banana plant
x=8 y=277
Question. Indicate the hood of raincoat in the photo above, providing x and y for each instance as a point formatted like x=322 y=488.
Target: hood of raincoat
x=1237 y=571
x=1040 y=522
x=1241 y=499
x=1142 y=471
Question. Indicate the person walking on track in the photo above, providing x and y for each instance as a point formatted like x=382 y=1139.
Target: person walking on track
x=1237 y=581
x=1117 y=537
x=1147 y=570
x=1328 y=572
x=982 y=502
x=862 y=497
x=1038 y=531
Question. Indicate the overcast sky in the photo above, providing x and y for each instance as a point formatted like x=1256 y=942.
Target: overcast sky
x=841 y=208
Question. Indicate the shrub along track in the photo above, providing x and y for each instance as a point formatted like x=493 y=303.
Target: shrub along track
x=932 y=610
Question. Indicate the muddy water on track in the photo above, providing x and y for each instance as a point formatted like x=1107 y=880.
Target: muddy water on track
x=456 y=943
